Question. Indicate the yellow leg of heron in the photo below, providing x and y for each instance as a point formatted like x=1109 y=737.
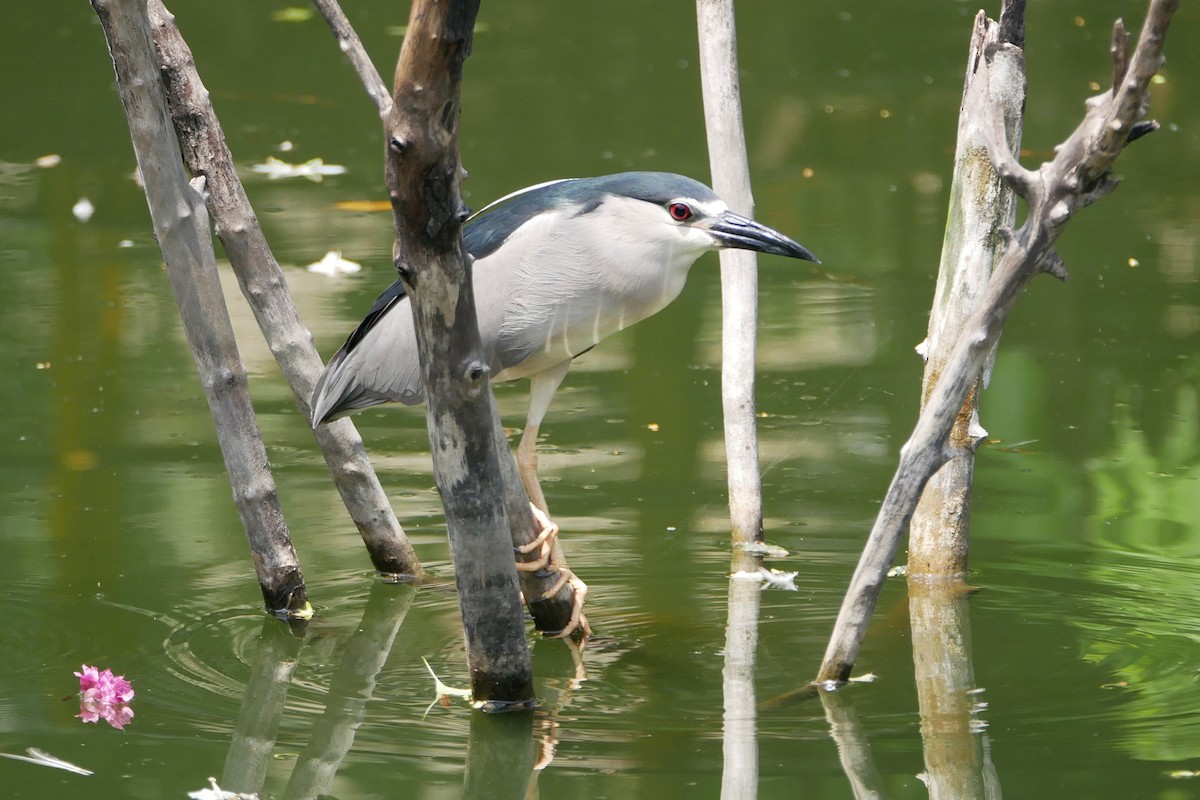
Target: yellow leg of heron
x=542 y=387
x=527 y=467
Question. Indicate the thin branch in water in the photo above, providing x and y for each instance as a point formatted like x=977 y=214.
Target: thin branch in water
x=352 y=46
x=205 y=153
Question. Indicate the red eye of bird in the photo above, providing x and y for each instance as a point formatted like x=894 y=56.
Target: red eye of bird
x=680 y=212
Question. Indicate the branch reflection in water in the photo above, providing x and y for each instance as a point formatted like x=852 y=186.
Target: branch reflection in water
x=957 y=756
x=350 y=687
x=739 y=778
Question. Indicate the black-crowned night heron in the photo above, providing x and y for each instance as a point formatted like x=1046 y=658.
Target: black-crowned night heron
x=557 y=267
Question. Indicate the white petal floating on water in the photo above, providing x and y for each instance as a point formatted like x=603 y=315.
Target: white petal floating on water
x=83 y=209
x=215 y=792
x=315 y=169
x=442 y=689
x=778 y=579
x=442 y=692
x=334 y=264
x=44 y=759
x=770 y=578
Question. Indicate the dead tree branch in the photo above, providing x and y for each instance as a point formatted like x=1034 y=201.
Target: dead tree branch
x=549 y=596
x=352 y=46
x=265 y=289
x=730 y=168
x=981 y=204
x=181 y=227
x=423 y=175
x=1079 y=175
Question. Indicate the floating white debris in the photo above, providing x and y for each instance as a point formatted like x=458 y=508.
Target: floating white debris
x=442 y=689
x=315 y=169
x=44 y=759
x=125 y=243
x=286 y=146
x=898 y=572
x=442 y=692
x=867 y=677
x=48 y=161
x=215 y=792
x=770 y=578
x=334 y=264
x=83 y=209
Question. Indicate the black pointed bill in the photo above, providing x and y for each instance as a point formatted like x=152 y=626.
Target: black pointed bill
x=743 y=233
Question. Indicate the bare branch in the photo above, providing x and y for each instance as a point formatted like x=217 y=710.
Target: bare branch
x=978 y=228
x=739 y=268
x=423 y=175
x=550 y=599
x=1078 y=175
x=206 y=153
x=181 y=228
x=352 y=46
x=1120 y=53
x=1054 y=264
x=1022 y=181
x=1012 y=23
x=1142 y=128
x=1130 y=96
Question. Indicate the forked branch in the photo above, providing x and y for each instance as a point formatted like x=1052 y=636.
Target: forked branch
x=1079 y=174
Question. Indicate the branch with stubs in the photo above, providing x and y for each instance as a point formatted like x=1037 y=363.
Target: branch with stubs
x=553 y=596
x=1079 y=175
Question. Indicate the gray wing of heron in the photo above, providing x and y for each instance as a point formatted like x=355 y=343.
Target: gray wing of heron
x=378 y=363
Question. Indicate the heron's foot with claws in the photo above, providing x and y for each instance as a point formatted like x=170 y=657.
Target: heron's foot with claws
x=543 y=544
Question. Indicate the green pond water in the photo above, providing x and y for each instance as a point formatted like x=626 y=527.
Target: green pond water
x=120 y=545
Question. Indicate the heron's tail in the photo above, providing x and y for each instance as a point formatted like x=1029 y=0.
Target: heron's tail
x=336 y=393
x=377 y=364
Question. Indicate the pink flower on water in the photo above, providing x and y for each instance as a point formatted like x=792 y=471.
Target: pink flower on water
x=103 y=695
x=118 y=715
x=103 y=687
